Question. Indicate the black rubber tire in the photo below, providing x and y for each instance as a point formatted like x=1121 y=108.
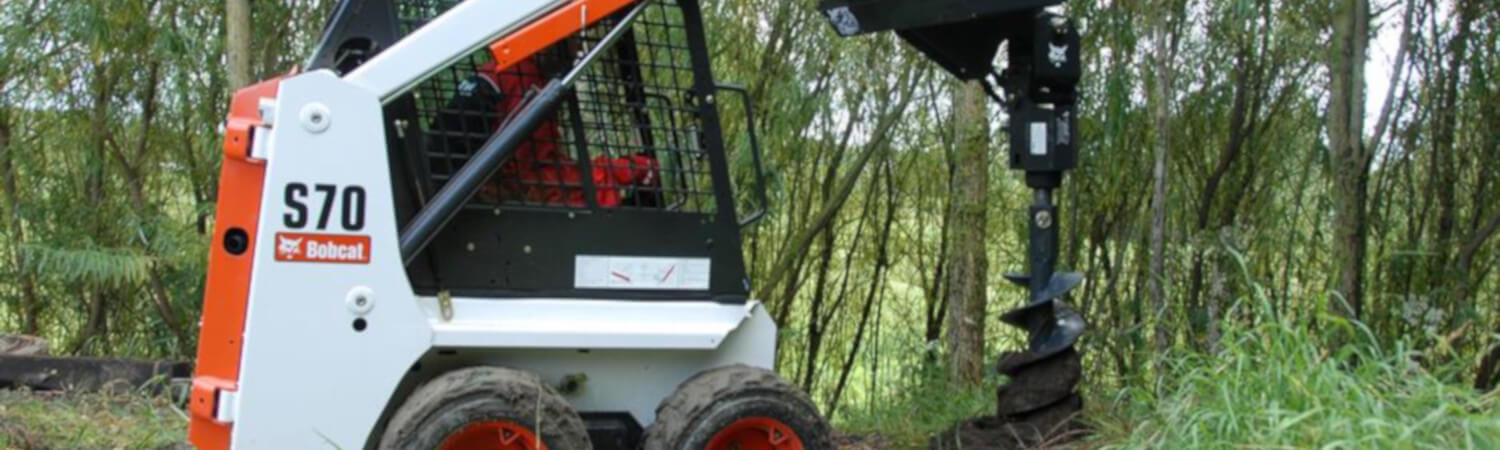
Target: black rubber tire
x=715 y=398
x=456 y=399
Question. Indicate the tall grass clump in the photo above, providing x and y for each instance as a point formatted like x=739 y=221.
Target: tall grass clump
x=1275 y=382
x=925 y=405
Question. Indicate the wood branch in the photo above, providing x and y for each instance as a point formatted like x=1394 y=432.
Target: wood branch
x=1476 y=241
x=859 y=233
x=879 y=142
x=1383 y=121
x=882 y=264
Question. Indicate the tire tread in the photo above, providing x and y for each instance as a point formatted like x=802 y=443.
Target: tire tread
x=679 y=413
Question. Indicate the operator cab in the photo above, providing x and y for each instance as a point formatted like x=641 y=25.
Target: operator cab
x=623 y=192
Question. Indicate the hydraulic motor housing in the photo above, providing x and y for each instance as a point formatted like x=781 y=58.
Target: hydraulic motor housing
x=962 y=36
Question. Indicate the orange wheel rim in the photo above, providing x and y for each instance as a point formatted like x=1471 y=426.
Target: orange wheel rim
x=493 y=435
x=756 y=433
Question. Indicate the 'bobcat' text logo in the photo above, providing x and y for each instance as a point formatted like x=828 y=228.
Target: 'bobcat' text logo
x=288 y=246
x=322 y=248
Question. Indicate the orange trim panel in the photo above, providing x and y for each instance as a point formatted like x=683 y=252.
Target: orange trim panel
x=548 y=30
x=226 y=295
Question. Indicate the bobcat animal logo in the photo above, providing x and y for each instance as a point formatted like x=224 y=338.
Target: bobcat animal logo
x=1057 y=54
x=289 y=247
x=844 y=21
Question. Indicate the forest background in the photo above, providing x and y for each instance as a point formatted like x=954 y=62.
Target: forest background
x=1285 y=210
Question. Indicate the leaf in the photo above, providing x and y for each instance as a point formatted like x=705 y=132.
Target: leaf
x=95 y=267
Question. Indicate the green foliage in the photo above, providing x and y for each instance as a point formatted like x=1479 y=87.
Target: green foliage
x=88 y=266
x=109 y=151
x=1273 y=385
x=1277 y=382
x=105 y=209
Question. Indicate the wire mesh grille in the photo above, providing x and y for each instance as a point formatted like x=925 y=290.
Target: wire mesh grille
x=625 y=137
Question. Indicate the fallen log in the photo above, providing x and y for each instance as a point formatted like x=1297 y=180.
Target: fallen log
x=48 y=373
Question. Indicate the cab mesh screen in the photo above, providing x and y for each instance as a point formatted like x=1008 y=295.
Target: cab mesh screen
x=625 y=136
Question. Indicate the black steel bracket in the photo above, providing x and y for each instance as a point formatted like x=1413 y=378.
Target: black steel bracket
x=760 y=173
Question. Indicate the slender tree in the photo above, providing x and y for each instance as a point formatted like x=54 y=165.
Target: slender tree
x=1350 y=163
x=1161 y=117
x=968 y=265
x=237 y=26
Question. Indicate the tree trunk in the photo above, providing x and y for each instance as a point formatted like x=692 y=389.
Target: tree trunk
x=1445 y=175
x=882 y=262
x=1350 y=160
x=933 y=288
x=1161 y=113
x=31 y=306
x=237 y=42
x=815 y=324
x=968 y=264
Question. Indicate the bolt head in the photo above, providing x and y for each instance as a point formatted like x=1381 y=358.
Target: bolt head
x=315 y=117
x=360 y=301
x=1044 y=219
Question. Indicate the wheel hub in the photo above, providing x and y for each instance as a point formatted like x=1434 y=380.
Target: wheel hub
x=493 y=435
x=756 y=433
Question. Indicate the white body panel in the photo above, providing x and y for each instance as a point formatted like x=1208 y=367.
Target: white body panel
x=309 y=379
x=584 y=324
x=630 y=380
x=306 y=375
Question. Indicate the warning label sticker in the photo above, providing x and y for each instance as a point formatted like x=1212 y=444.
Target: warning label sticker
x=322 y=248
x=639 y=272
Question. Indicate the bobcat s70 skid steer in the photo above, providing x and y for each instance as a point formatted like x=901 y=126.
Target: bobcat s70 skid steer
x=490 y=224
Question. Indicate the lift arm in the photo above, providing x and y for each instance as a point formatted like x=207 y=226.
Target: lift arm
x=513 y=29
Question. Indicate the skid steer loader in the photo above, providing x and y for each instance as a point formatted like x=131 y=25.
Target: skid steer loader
x=491 y=224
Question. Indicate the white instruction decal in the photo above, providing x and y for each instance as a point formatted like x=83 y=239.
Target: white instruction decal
x=1039 y=138
x=640 y=272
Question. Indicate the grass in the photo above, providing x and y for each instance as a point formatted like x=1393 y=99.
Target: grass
x=41 y=420
x=1273 y=386
x=929 y=405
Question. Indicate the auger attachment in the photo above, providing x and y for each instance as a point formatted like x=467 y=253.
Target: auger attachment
x=1040 y=402
x=1040 y=87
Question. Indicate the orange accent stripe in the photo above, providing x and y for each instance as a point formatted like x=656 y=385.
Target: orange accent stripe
x=227 y=293
x=550 y=29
